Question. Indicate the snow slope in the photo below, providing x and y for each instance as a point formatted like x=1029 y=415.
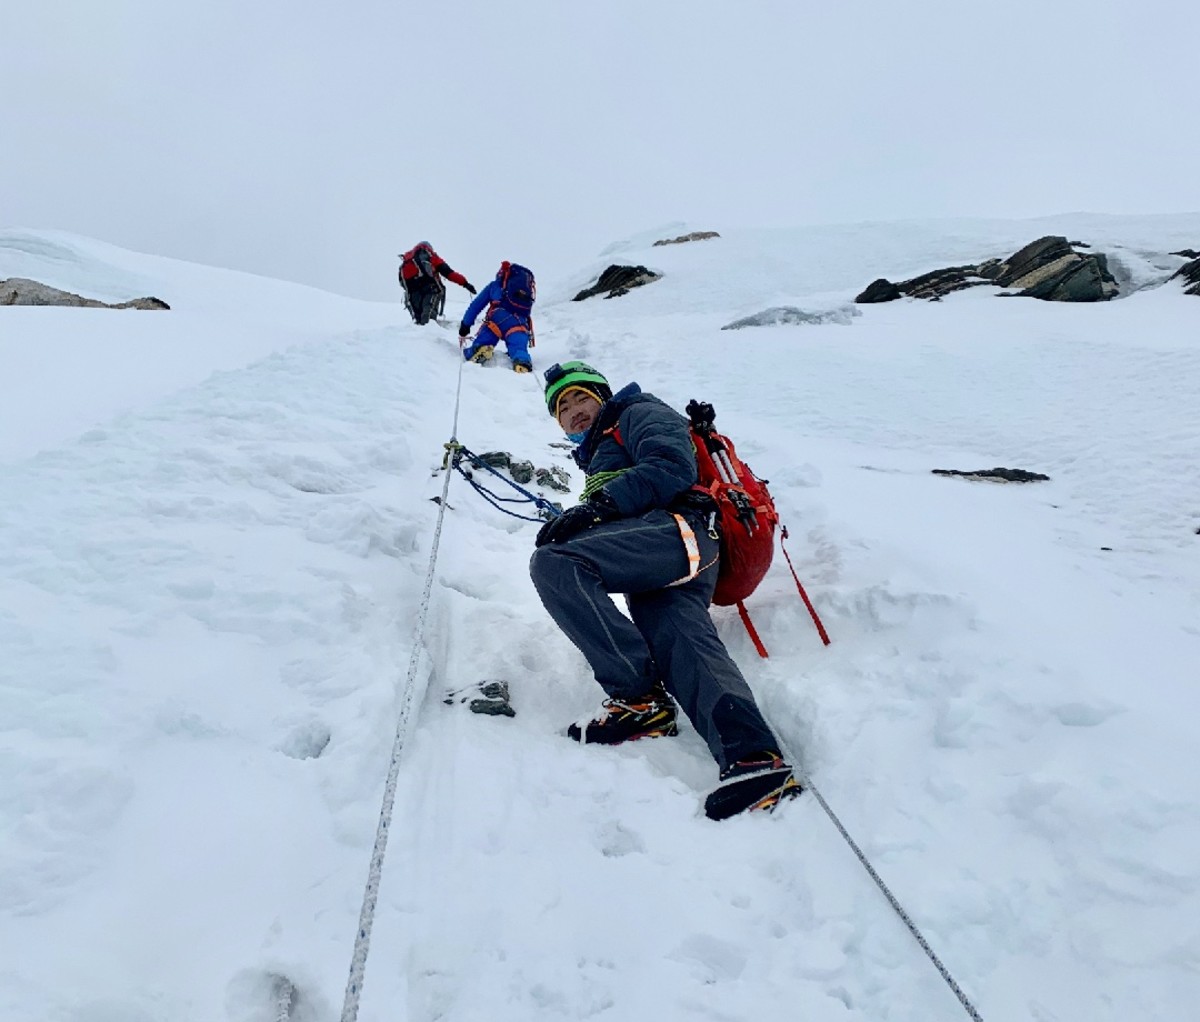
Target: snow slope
x=210 y=572
x=62 y=373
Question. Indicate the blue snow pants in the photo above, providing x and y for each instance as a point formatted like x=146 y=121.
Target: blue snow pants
x=502 y=325
x=671 y=637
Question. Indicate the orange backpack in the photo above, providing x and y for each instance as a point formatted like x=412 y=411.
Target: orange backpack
x=747 y=518
x=745 y=508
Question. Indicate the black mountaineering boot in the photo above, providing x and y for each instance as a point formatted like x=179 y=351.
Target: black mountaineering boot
x=757 y=783
x=623 y=720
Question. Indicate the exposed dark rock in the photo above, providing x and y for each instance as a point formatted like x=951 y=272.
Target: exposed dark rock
x=1190 y=273
x=933 y=285
x=617 y=281
x=881 y=290
x=553 y=478
x=694 y=236
x=938 y=283
x=493 y=459
x=1050 y=269
x=1187 y=253
x=1004 y=475
x=789 y=315
x=488 y=697
x=1086 y=280
x=523 y=471
x=1033 y=258
x=21 y=291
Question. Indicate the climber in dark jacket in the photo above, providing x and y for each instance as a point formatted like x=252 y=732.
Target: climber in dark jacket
x=421 y=270
x=642 y=530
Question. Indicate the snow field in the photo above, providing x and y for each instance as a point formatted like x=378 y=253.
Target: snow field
x=208 y=602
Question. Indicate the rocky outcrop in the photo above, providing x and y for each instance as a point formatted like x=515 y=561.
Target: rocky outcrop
x=1187 y=253
x=880 y=290
x=1050 y=269
x=694 y=236
x=790 y=315
x=617 y=281
x=1000 y=475
x=21 y=291
x=932 y=286
x=1190 y=274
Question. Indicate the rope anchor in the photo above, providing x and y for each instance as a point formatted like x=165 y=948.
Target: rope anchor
x=547 y=509
x=452 y=453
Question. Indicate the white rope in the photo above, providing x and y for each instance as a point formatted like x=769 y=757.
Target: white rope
x=366 y=917
x=899 y=909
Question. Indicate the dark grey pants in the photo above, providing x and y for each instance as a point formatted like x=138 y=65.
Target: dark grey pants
x=671 y=637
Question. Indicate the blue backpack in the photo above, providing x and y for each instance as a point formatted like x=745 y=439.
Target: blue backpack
x=517 y=286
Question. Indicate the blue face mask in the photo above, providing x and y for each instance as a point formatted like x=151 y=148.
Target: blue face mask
x=577 y=438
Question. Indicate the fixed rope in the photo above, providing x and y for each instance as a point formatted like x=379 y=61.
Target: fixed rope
x=899 y=909
x=366 y=917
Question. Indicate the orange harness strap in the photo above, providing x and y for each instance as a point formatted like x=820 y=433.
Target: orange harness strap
x=691 y=548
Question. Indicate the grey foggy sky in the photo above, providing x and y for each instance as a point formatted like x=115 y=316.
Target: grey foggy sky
x=314 y=141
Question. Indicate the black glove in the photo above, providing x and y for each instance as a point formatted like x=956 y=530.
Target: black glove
x=598 y=509
x=470 y=287
x=463 y=329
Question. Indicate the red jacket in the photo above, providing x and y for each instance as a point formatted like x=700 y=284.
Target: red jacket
x=409 y=268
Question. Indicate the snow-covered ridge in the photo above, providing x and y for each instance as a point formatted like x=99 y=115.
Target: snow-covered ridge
x=100 y=270
x=61 y=370
x=746 y=270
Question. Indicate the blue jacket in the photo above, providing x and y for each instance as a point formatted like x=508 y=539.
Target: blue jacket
x=655 y=458
x=493 y=294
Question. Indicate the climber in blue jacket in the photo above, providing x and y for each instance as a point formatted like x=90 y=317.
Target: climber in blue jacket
x=509 y=299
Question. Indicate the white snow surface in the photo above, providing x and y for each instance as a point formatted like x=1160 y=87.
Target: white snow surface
x=215 y=527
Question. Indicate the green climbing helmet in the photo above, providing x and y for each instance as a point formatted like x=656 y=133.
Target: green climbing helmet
x=561 y=377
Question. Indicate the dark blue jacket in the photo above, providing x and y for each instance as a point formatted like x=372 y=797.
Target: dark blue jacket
x=655 y=457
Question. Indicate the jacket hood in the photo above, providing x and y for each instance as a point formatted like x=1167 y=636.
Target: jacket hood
x=630 y=394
